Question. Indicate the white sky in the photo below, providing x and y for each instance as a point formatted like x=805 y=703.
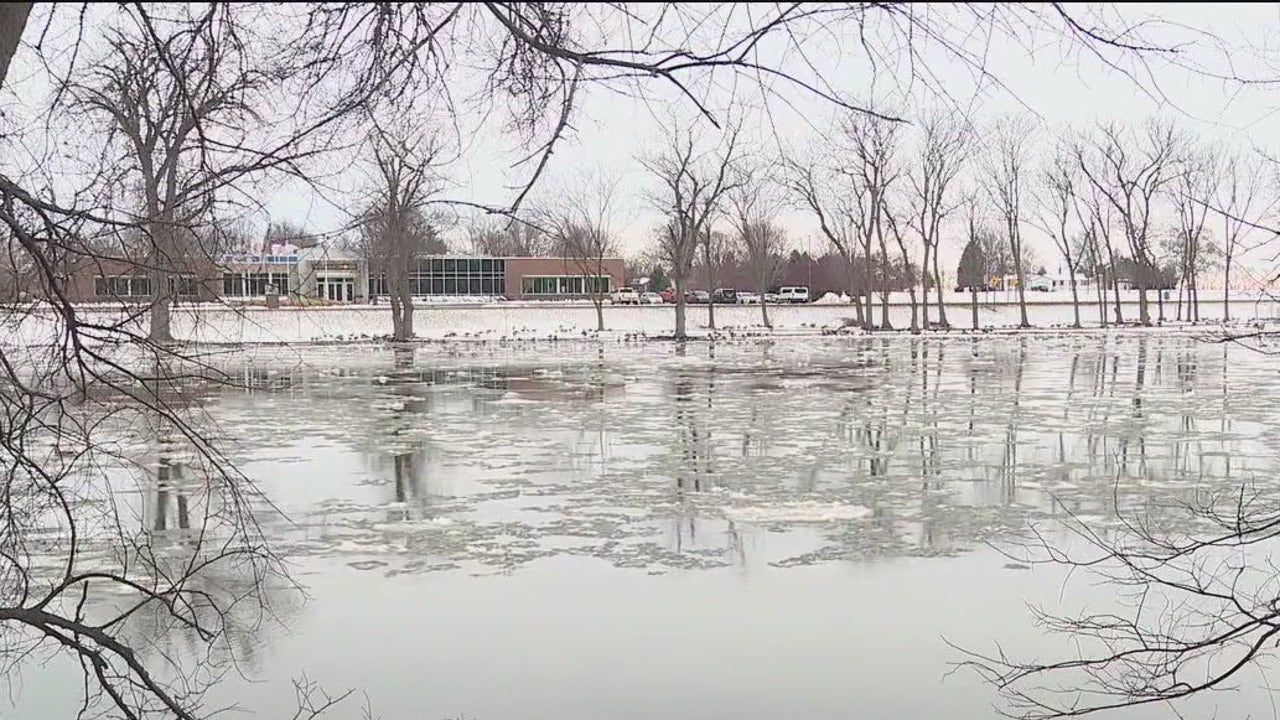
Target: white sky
x=612 y=129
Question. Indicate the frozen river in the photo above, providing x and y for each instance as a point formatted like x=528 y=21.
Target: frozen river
x=752 y=530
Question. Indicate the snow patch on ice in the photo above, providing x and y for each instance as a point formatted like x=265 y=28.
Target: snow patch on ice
x=797 y=512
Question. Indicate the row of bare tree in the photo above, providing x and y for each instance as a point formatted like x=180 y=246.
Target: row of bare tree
x=1100 y=195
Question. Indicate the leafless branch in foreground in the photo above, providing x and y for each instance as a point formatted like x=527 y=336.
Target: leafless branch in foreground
x=1195 y=608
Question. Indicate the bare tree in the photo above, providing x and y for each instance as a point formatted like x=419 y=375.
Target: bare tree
x=1131 y=171
x=895 y=229
x=872 y=169
x=178 y=104
x=694 y=183
x=970 y=273
x=514 y=237
x=1090 y=259
x=759 y=237
x=1239 y=196
x=817 y=189
x=1005 y=168
x=716 y=248
x=406 y=173
x=944 y=150
x=285 y=232
x=579 y=223
x=1192 y=192
x=1094 y=213
x=1056 y=202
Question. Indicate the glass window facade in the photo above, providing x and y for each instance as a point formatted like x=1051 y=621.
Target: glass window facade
x=253 y=284
x=122 y=286
x=184 y=286
x=565 y=284
x=451 y=276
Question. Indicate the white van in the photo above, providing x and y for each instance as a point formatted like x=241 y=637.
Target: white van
x=624 y=296
x=793 y=294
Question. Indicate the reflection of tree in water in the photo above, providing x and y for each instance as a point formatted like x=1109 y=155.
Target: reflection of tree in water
x=947 y=441
x=226 y=605
x=695 y=464
x=169 y=479
x=408 y=452
x=693 y=471
x=986 y=453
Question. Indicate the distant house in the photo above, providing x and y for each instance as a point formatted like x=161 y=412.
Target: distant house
x=1063 y=281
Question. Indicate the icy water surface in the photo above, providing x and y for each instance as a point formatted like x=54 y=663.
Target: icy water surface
x=747 y=530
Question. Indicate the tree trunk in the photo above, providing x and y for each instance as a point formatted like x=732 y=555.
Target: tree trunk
x=915 y=315
x=1195 y=297
x=1115 y=285
x=1226 y=288
x=937 y=284
x=869 y=283
x=1075 y=301
x=884 y=283
x=711 y=288
x=160 y=330
x=599 y=303
x=678 y=284
x=764 y=313
x=160 y=258
x=924 y=287
x=1160 y=303
x=13 y=19
x=1144 y=312
x=1022 y=291
x=393 y=302
x=973 y=305
x=397 y=321
x=406 y=314
x=853 y=291
x=1101 y=291
x=400 y=299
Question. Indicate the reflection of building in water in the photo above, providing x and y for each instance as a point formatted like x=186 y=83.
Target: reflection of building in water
x=258 y=378
x=170 y=481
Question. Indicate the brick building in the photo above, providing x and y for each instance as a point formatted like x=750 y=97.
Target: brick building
x=332 y=276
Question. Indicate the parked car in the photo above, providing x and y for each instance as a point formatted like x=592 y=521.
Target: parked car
x=651 y=298
x=771 y=298
x=668 y=295
x=624 y=296
x=793 y=294
x=725 y=296
x=697 y=297
x=748 y=298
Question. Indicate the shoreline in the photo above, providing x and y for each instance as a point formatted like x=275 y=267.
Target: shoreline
x=738 y=334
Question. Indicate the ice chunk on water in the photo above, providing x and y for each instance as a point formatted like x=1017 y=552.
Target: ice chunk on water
x=797 y=512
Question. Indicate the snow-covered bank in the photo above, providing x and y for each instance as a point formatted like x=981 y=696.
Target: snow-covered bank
x=219 y=324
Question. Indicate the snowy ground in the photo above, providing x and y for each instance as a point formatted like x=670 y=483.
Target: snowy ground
x=235 y=325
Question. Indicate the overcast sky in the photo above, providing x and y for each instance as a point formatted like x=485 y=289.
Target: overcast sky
x=611 y=129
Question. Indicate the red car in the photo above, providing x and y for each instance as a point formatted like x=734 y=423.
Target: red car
x=668 y=295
